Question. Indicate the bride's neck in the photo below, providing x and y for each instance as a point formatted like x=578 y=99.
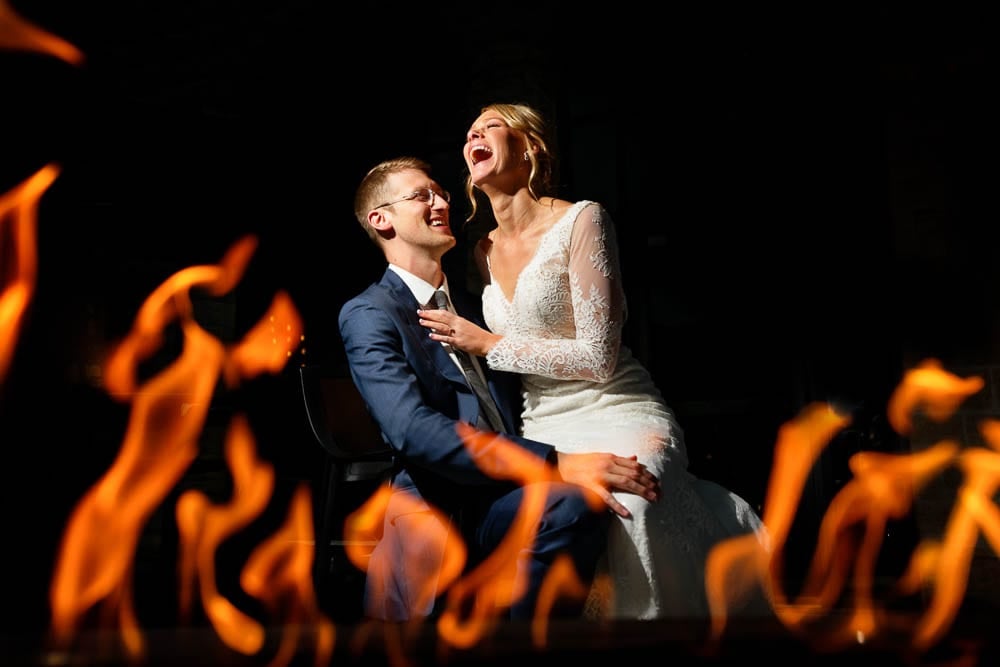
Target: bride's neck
x=517 y=214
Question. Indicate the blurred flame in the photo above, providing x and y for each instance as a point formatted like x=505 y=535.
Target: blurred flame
x=95 y=559
x=735 y=564
x=18 y=252
x=17 y=34
x=561 y=582
x=474 y=601
x=94 y=564
x=930 y=387
x=500 y=579
x=946 y=565
x=172 y=301
x=279 y=572
x=884 y=487
x=442 y=554
x=203 y=527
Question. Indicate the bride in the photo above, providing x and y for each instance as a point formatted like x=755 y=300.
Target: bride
x=555 y=307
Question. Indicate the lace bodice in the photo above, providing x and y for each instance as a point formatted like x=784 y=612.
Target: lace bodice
x=565 y=318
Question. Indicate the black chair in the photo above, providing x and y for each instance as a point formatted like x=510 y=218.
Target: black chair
x=358 y=461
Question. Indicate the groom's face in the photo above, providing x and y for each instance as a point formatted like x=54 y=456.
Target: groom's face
x=420 y=214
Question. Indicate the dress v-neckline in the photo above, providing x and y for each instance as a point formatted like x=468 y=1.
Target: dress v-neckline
x=571 y=212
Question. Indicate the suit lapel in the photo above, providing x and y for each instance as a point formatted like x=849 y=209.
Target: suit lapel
x=399 y=299
x=406 y=305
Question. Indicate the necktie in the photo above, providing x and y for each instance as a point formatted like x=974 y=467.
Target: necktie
x=490 y=413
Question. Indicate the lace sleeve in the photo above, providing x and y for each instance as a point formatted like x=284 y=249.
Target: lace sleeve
x=582 y=338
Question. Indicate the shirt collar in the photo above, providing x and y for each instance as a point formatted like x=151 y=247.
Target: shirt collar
x=422 y=290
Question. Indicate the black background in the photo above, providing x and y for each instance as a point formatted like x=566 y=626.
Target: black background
x=802 y=198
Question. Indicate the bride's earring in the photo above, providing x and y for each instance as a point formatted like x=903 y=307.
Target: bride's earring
x=526 y=158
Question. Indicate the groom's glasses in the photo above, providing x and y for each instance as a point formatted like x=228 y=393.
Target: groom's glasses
x=423 y=195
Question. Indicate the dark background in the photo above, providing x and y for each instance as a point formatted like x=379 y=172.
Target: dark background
x=801 y=198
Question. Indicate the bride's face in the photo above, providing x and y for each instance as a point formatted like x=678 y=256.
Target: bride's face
x=492 y=147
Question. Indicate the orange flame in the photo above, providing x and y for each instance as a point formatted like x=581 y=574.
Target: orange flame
x=279 y=572
x=733 y=565
x=930 y=387
x=433 y=565
x=476 y=600
x=946 y=565
x=884 y=487
x=18 y=34
x=95 y=561
x=169 y=411
x=203 y=527
x=561 y=582
x=18 y=246
x=497 y=582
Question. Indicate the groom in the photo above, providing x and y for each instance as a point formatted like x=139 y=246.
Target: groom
x=418 y=394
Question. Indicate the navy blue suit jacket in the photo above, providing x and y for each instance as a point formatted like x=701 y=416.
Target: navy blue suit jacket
x=417 y=394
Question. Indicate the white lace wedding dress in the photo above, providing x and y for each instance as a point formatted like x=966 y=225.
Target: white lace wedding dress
x=584 y=391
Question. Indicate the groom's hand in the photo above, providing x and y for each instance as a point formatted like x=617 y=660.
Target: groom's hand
x=603 y=473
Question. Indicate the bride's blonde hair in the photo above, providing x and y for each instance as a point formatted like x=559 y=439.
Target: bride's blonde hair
x=530 y=122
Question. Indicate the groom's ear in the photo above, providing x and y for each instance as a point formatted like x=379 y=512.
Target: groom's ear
x=378 y=220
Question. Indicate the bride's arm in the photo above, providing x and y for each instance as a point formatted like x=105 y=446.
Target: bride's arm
x=598 y=315
x=598 y=312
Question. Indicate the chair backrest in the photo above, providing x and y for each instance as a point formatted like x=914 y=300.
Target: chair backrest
x=357 y=462
x=338 y=416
